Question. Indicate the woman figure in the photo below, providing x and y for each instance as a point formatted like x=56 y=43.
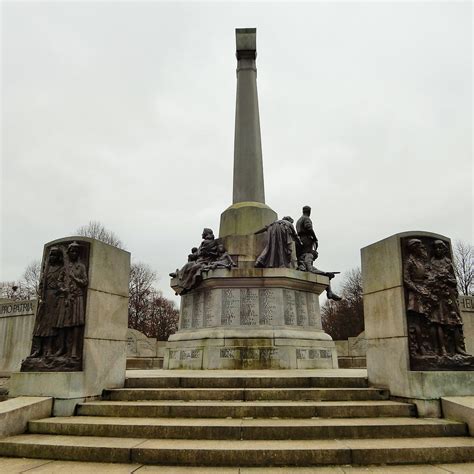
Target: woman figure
x=45 y=323
x=445 y=310
x=71 y=319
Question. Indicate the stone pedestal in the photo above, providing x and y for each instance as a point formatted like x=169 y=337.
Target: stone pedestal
x=105 y=335
x=386 y=331
x=249 y=318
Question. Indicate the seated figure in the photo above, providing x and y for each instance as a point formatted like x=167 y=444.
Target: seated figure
x=210 y=254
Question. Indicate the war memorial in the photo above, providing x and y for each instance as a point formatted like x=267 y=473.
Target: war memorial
x=250 y=379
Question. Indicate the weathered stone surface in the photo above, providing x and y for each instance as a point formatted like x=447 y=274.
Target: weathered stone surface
x=17 y=412
x=245 y=218
x=17 y=319
x=460 y=409
x=139 y=345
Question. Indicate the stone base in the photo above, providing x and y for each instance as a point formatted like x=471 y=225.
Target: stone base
x=265 y=349
x=252 y=318
x=51 y=364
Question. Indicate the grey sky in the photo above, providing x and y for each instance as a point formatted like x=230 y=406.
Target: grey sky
x=123 y=112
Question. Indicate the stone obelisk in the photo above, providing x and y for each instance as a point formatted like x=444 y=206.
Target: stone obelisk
x=248 y=212
x=245 y=317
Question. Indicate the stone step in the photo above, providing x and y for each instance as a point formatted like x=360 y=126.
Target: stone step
x=144 y=363
x=246 y=429
x=240 y=409
x=246 y=394
x=241 y=453
x=245 y=382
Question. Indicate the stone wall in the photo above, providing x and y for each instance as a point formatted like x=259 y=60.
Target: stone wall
x=139 y=345
x=16 y=328
x=466 y=304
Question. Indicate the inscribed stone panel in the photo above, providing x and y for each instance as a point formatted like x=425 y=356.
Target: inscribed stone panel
x=186 y=311
x=249 y=306
x=267 y=305
x=314 y=318
x=289 y=307
x=230 y=314
x=198 y=310
x=301 y=308
x=212 y=305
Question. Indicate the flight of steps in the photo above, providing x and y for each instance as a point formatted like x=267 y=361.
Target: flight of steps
x=247 y=420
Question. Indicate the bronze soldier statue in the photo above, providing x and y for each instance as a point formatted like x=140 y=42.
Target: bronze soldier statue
x=307 y=250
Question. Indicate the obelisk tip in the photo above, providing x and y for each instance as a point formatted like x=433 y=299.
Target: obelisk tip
x=246 y=39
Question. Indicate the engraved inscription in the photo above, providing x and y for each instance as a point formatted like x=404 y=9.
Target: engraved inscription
x=311 y=354
x=466 y=303
x=247 y=353
x=268 y=353
x=249 y=306
x=312 y=309
x=301 y=308
x=267 y=305
x=198 y=309
x=186 y=311
x=187 y=354
x=230 y=307
x=174 y=355
x=289 y=306
x=229 y=354
x=301 y=354
x=208 y=316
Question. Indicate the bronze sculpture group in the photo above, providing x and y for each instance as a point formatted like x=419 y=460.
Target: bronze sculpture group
x=60 y=319
x=277 y=253
x=210 y=255
x=434 y=320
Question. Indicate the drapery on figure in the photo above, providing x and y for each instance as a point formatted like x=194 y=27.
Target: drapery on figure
x=444 y=313
x=211 y=254
x=277 y=252
x=71 y=308
x=415 y=275
x=45 y=323
x=307 y=250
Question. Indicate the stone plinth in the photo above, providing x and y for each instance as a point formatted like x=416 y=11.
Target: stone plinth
x=17 y=319
x=105 y=335
x=386 y=331
x=245 y=218
x=252 y=319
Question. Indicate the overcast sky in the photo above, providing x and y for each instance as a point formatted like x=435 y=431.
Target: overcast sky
x=123 y=112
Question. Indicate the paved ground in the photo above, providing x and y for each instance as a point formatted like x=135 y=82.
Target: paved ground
x=44 y=466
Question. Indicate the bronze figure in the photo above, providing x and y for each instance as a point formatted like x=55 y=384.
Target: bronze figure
x=210 y=255
x=278 y=249
x=60 y=319
x=436 y=340
x=307 y=250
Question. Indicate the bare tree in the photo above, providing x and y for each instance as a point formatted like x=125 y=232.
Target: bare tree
x=464 y=267
x=345 y=318
x=96 y=230
x=14 y=290
x=31 y=278
x=140 y=287
x=148 y=310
